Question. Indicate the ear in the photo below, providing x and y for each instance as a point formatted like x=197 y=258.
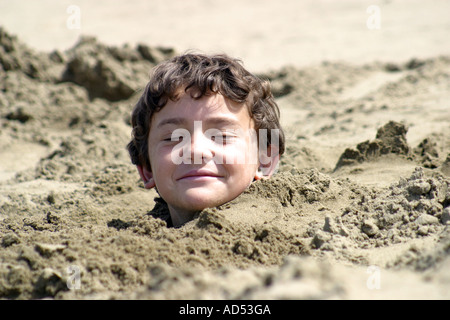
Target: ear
x=147 y=177
x=268 y=163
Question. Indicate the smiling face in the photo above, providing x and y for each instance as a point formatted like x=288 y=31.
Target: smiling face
x=203 y=153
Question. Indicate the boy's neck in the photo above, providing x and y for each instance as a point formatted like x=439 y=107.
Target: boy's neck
x=180 y=216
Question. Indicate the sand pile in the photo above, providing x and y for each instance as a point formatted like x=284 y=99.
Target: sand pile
x=336 y=221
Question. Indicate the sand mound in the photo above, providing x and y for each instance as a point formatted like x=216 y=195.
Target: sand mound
x=75 y=221
x=391 y=138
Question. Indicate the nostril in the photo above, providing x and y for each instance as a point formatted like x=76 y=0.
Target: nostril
x=202 y=150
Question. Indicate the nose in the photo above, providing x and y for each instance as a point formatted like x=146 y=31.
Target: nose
x=202 y=148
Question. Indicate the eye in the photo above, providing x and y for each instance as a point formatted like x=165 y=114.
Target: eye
x=224 y=138
x=175 y=136
x=171 y=138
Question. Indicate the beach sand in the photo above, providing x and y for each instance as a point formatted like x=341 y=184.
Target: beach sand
x=358 y=209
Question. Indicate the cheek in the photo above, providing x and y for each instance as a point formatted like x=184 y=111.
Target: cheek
x=160 y=161
x=240 y=176
x=240 y=162
x=242 y=153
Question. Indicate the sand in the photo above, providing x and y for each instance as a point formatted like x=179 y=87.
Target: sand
x=359 y=208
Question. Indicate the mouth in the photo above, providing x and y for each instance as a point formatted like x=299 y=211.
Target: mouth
x=199 y=175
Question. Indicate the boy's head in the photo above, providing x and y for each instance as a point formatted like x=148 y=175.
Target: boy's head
x=203 y=130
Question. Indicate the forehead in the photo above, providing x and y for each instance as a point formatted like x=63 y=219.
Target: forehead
x=212 y=109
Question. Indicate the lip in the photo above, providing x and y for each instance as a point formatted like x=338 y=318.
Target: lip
x=198 y=175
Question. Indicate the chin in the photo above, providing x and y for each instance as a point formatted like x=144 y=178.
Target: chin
x=198 y=203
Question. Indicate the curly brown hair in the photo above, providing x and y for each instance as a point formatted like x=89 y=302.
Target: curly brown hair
x=202 y=75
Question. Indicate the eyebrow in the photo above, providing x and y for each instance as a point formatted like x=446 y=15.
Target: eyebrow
x=222 y=121
x=210 y=121
x=174 y=121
